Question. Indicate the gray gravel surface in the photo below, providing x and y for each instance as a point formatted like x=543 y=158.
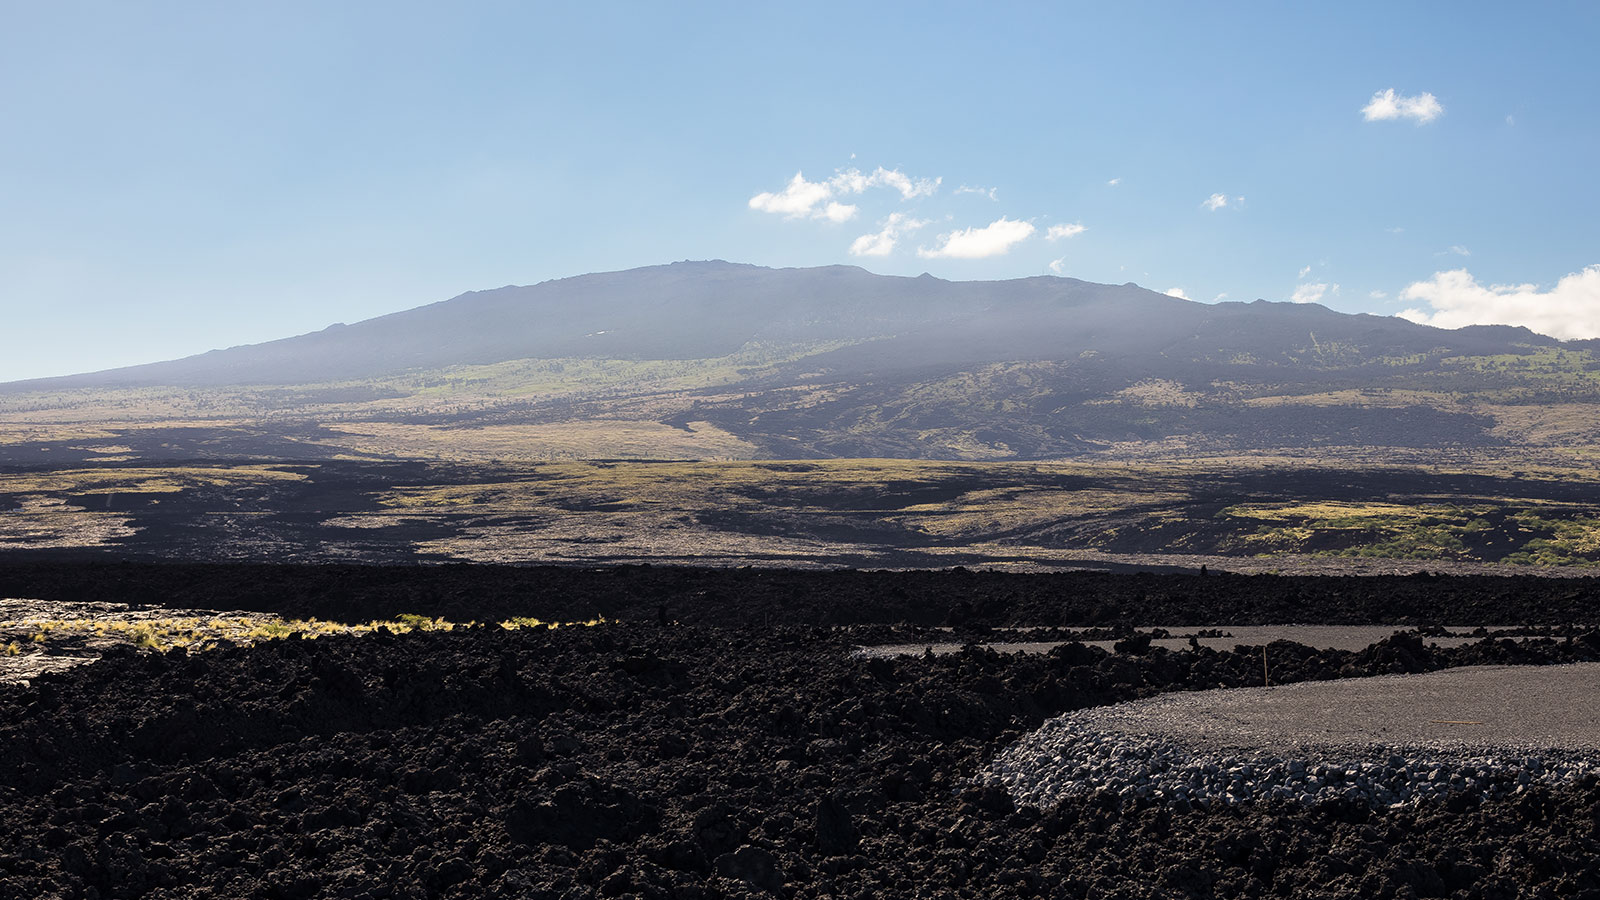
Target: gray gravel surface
x=1532 y=707
x=1322 y=637
x=1388 y=740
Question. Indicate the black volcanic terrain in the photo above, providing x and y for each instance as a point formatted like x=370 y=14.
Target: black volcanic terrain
x=716 y=737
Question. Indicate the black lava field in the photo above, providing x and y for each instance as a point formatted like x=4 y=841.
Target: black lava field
x=716 y=738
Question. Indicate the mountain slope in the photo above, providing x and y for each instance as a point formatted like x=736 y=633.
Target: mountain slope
x=712 y=309
x=721 y=359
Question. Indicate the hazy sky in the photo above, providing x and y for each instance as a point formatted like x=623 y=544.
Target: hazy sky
x=176 y=177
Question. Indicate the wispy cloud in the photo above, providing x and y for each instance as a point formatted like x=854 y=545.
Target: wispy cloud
x=1058 y=265
x=1459 y=250
x=802 y=199
x=1305 y=271
x=853 y=181
x=1568 y=311
x=1115 y=181
x=1378 y=295
x=882 y=242
x=1176 y=292
x=1057 y=232
x=1386 y=104
x=1312 y=293
x=995 y=239
x=987 y=192
x=1395 y=230
x=1221 y=201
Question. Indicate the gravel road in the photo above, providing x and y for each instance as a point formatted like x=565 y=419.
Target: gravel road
x=1503 y=707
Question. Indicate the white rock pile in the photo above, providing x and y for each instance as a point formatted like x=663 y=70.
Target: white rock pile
x=1075 y=756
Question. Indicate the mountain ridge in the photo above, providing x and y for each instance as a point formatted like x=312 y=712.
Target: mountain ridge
x=500 y=324
x=728 y=360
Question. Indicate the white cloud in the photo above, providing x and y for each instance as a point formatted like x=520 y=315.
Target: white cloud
x=1378 y=295
x=1220 y=297
x=909 y=188
x=882 y=243
x=849 y=181
x=1386 y=104
x=815 y=199
x=1058 y=265
x=987 y=192
x=1395 y=230
x=1312 y=293
x=1176 y=292
x=838 y=212
x=1221 y=201
x=1115 y=181
x=1511 y=120
x=1305 y=271
x=1056 y=232
x=1569 y=310
x=994 y=239
x=795 y=201
x=1460 y=250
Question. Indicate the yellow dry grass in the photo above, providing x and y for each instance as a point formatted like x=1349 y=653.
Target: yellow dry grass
x=205 y=632
x=1380 y=398
x=564 y=440
x=1330 y=511
x=43 y=523
x=143 y=480
x=1155 y=393
x=1553 y=424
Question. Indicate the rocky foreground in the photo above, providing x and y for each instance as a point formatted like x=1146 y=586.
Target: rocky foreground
x=695 y=760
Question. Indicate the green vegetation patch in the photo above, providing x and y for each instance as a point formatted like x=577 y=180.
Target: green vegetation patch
x=1525 y=534
x=1384 y=530
x=1571 y=542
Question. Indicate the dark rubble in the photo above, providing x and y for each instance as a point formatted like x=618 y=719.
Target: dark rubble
x=641 y=760
x=972 y=599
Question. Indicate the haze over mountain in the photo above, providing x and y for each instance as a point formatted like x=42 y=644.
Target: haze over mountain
x=697 y=310
x=836 y=361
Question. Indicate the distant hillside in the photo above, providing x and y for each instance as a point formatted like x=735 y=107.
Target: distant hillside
x=719 y=359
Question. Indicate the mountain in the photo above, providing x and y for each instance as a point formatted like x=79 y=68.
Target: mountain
x=723 y=359
x=697 y=310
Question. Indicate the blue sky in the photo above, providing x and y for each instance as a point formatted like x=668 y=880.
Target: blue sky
x=176 y=177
